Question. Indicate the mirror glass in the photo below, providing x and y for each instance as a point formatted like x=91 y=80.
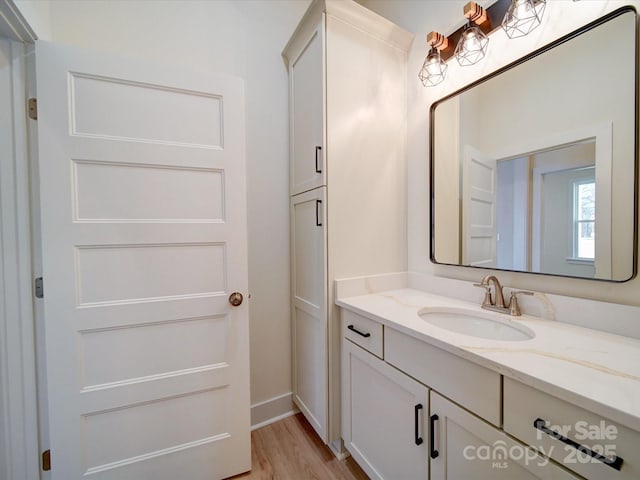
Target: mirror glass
x=533 y=168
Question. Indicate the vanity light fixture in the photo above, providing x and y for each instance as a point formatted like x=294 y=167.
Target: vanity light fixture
x=522 y=17
x=469 y=43
x=472 y=45
x=434 y=67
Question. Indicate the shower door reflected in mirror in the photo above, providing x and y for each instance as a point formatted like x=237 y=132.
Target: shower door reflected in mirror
x=534 y=168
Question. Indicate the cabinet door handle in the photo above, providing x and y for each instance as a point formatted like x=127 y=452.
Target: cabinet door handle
x=416 y=424
x=318 y=216
x=433 y=453
x=363 y=334
x=614 y=462
x=318 y=158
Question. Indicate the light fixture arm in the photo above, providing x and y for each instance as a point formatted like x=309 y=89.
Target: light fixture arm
x=475 y=13
x=437 y=41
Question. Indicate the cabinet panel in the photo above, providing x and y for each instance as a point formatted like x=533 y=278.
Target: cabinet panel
x=309 y=319
x=307 y=116
x=469 y=448
x=362 y=331
x=308 y=248
x=524 y=405
x=366 y=169
x=343 y=127
x=472 y=386
x=381 y=409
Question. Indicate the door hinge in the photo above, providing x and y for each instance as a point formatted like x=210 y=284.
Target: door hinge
x=46 y=460
x=39 y=287
x=33 y=108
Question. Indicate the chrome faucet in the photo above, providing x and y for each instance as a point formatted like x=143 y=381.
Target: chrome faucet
x=496 y=302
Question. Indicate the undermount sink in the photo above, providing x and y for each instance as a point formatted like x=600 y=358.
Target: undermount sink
x=475 y=324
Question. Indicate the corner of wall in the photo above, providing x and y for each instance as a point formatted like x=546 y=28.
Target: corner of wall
x=269 y=411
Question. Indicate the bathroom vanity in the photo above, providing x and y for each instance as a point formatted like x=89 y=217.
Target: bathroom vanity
x=519 y=398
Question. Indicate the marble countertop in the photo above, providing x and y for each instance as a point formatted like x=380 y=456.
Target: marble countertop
x=595 y=370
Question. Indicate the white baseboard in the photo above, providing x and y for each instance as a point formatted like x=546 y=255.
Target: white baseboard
x=272 y=410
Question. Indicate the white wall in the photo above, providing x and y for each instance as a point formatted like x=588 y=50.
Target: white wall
x=237 y=37
x=420 y=17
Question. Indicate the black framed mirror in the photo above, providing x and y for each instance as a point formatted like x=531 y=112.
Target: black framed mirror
x=534 y=167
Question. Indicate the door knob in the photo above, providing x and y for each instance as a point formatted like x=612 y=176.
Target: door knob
x=235 y=299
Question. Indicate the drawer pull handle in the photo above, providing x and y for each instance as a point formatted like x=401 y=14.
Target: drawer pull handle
x=416 y=424
x=354 y=329
x=615 y=462
x=433 y=453
x=318 y=167
x=318 y=207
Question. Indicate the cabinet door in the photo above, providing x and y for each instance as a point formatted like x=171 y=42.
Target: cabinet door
x=384 y=415
x=466 y=447
x=306 y=77
x=309 y=318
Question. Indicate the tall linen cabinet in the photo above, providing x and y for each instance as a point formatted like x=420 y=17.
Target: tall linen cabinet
x=347 y=83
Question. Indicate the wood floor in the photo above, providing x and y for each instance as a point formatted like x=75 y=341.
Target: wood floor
x=291 y=450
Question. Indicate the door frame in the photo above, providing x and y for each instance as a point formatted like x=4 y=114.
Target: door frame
x=18 y=385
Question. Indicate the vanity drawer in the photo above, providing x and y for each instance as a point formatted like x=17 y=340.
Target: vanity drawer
x=474 y=387
x=525 y=407
x=362 y=331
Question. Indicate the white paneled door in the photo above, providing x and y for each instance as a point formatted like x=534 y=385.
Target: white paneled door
x=479 y=227
x=142 y=189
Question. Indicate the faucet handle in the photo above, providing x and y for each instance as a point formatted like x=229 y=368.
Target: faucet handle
x=487 y=293
x=514 y=308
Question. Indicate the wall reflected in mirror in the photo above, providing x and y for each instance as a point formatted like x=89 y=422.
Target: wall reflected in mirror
x=533 y=169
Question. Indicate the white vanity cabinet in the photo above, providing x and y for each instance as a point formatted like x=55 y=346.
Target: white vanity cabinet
x=398 y=424
x=384 y=417
x=472 y=386
x=464 y=446
x=347 y=82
